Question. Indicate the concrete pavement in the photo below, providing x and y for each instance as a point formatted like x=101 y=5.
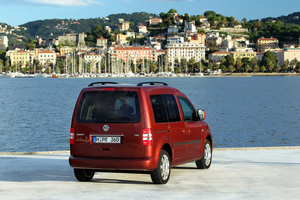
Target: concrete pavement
x=234 y=174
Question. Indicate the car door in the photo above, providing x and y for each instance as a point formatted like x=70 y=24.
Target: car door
x=194 y=128
x=177 y=129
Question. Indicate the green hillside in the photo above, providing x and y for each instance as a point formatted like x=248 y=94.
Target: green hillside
x=45 y=28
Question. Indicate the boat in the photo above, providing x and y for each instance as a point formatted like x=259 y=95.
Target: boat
x=5 y=75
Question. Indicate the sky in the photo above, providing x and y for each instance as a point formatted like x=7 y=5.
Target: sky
x=18 y=12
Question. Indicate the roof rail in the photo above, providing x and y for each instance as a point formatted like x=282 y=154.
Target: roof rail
x=151 y=83
x=102 y=83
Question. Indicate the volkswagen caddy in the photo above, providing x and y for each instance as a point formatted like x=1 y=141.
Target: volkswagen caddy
x=149 y=127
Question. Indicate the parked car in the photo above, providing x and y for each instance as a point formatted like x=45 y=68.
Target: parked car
x=149 y=127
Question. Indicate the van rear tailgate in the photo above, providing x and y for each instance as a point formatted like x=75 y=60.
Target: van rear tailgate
x=112 y=140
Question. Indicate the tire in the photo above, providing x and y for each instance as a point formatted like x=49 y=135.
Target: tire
x=205 y=161
x=84 y=174
x=162 y=173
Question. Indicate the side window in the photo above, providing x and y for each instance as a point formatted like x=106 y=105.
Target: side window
x=188 y=110
x=159 y=110
x=172 y=108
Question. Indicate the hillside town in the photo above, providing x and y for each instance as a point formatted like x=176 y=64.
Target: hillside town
x=187 y=47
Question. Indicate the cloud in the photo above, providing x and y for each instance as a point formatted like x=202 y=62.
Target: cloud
x=168 y=1
x=65 y=2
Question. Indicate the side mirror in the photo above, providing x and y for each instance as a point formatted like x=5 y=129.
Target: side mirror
x=201 y=114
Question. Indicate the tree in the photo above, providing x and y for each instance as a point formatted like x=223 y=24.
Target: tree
x=192 y=63
x=247 y=68
x=256 y=68
x=277 y=68
x=268 y=56
x=253 y=61
x=256 y=25
x=30 y=44
x=231 y=68
x=239 y=64
x=293 y=63
x=270 y=65
x=262 y=69
x=244 y=20
x=229 y=60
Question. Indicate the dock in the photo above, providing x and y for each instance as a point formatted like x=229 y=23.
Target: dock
x=235 y=173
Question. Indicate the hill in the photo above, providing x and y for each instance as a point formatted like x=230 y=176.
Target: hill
x=293 y=18
x=52 y=28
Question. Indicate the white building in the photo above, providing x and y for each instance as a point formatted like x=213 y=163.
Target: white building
x=46 y=57
x=142 y=30
x=3 y=43
x=175 y=39
x=185 y=50
x=173 y=29
x=189 y=26
x=288 y=54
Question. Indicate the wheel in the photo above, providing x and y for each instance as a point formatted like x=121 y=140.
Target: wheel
x=84 y=174
x=162 y=173
x=205 y=161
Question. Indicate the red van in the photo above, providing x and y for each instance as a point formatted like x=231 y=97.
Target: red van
x=148 y=127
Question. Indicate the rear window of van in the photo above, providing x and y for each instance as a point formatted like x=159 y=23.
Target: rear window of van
x=109 y=107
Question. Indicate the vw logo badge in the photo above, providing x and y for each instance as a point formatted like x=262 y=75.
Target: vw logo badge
x=105 y=128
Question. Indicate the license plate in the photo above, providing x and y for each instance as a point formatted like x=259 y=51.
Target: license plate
x=106 y=139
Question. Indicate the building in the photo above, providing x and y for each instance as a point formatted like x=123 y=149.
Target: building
x=142 y=30
x=102 y=42
x=94 y=60
x=107 y=28
x=46 y=57
x=123 y=26
x=130 y=34
x=204 y=21
x=122 y=39
x=133 y=53
x=264 y=44
x=186 y=50
x=72 y=39
x=65 y=50
x=173 y=29
x=175 y=39
x=3 y=43
x=245 y=54
x=154 y=21
x=197 y=38
x=190 y=26
x=288 y=54
x=20 y=58
x=159 y=38
x=218 y=55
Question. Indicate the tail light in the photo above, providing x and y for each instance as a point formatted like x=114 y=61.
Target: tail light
x=147 y=137
x=72 y=141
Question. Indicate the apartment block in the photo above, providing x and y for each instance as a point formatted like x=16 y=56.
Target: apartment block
x=102 y=42
x=288 y=54
x=46 y=57
x=20 y=58
x=245 y=54
x=123 y=26
x=263 y=44
x=154 y=21
x=133 y=53
x=186 y=50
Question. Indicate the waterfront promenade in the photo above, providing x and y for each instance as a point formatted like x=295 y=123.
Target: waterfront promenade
x=240 y=173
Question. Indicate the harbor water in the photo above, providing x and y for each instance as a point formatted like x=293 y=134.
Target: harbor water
x=35 y=113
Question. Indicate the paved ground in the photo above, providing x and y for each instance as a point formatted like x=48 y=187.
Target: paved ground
x=251 y=174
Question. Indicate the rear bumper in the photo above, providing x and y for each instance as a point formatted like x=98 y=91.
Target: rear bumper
x=144 y=164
